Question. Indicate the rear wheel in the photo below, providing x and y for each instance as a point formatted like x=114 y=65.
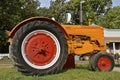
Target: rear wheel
x=39 y=48
x=103 y=62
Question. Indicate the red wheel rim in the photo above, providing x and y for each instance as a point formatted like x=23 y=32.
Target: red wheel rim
x=40 y=49
x=104 y=63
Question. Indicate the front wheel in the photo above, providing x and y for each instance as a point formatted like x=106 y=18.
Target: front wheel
x=103 y=62
x=39 y=48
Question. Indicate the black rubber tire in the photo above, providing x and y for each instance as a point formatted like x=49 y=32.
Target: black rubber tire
x=16 y=54
x=91 y=62
x=97 y=57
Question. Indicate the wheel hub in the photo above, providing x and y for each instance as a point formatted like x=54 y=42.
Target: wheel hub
x=40 y=49
x=104 y=63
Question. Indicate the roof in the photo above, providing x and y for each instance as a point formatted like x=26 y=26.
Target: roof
x=112 y=35
x=112 y=32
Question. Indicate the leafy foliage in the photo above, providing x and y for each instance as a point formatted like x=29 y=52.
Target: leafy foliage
x=91 y=9
x=11 y=13
x=113 y=18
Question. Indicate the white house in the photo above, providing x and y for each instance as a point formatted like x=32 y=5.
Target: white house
x=112 y=39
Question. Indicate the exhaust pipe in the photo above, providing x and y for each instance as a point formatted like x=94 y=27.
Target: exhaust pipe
x=81 y=20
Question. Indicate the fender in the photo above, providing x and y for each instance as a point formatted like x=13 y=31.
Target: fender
x=18 y=26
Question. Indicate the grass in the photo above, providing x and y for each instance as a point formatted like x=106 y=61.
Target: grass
x=81 y=72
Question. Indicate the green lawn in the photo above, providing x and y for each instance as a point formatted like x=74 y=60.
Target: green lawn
x=81 y=72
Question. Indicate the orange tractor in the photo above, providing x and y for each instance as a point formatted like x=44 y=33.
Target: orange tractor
x=41 y=46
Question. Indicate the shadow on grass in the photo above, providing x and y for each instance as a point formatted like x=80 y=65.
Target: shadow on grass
x=117 y=65
x=77 y=66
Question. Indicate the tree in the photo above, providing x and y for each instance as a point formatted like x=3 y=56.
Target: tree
x=29 y=8
x=11 y=13
x=58 y=9
x=112 y=19
x=14 y=11
x=91 y=9
x=45 y=12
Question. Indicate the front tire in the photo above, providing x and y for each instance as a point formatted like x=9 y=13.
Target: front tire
x=39 y=48
x=103 y=62
x=91 y=62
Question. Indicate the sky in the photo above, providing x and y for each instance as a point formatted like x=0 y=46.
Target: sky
x=46 y=3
